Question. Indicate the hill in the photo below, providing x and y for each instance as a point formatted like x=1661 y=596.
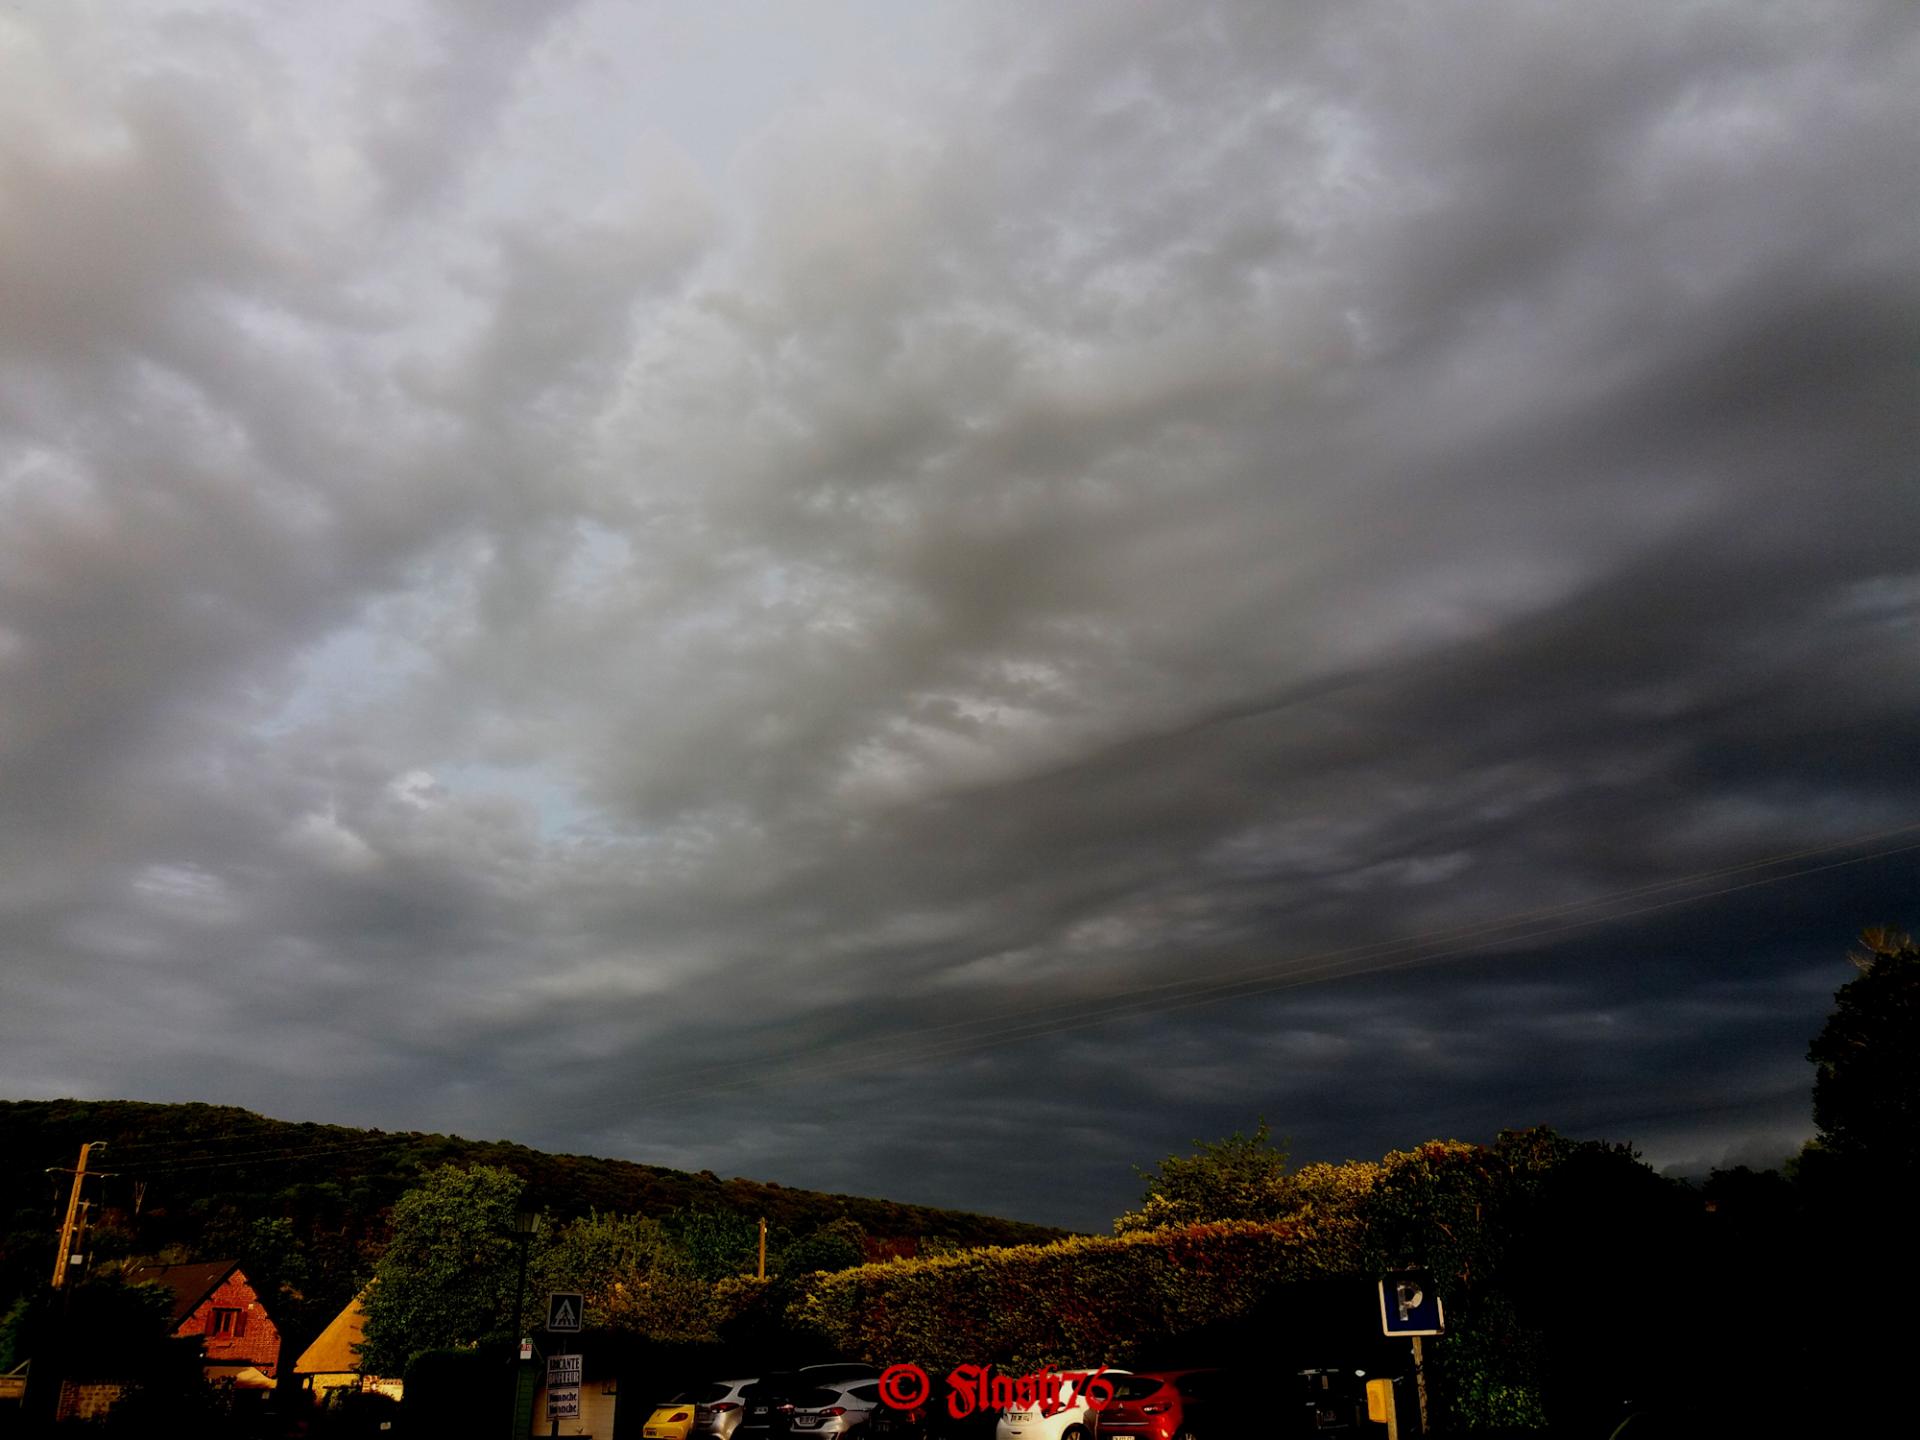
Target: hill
x=311 y=1202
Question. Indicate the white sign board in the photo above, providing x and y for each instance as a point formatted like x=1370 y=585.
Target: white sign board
x=564 y=1403
x=562 y=1370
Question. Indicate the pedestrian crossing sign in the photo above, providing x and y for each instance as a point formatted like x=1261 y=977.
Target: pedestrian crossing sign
x=563 y=1312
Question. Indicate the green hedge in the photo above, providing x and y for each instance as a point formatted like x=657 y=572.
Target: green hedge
x=1079 y=1301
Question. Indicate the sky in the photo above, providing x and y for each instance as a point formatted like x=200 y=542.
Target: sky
x=938 y=601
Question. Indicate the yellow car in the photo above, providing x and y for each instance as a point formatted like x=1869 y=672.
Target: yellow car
x=670 y=1421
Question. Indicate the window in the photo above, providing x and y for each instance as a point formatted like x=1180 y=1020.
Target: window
x=227 y=1322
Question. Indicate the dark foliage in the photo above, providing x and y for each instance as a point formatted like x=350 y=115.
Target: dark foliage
x=306 y=1207
x=1866 y=1088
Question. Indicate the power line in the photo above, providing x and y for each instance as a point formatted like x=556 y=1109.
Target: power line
x=261 y=1128
x=1024 y=1015
x=1313 y=969
x=265 y=1157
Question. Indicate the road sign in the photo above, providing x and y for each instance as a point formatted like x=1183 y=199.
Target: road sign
x=564 y=1404
x=526 y=1348
x=1408 y=1305
x=562 y=1370
x=563 y=1312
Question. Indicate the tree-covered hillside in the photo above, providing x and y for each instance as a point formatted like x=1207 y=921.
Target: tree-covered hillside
x=308 y=1205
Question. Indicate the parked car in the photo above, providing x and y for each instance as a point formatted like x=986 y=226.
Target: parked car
x=671 y=1421
x=1072 y=1419
x=757 y=1404
x=833 y=1409
x=1165 y=1405
x=1332 y=1401
x=833 y=1371
x=931 y=1419
x=767 y=1404
x=719 y=1407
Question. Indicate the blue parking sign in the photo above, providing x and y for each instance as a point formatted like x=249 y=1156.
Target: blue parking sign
x=1409 y=1306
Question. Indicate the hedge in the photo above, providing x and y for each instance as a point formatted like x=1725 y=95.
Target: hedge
x=1085 y=1300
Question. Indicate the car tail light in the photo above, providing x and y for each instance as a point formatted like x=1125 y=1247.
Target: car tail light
x=834 y=1410
x=724 y=1406
x=1159 y=1409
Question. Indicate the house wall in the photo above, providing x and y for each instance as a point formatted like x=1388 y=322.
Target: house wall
x=323 y=1382
x=258 y=1346
x=87 y=1399
x=596 y=1411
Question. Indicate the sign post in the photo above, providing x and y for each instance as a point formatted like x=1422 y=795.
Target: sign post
x=563 y=1389
x=1409 y=1307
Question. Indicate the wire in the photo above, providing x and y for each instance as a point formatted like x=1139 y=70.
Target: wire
x=1024 y=1015
x=259 y=1128
x=1327 y=966
x=270 y=1156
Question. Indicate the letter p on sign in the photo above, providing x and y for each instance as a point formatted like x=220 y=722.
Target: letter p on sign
x=1408 y=1305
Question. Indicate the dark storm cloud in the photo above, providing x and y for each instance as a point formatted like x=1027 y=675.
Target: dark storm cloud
x=531 y=607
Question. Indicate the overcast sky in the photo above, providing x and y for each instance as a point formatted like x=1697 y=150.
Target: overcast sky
x=863 y=594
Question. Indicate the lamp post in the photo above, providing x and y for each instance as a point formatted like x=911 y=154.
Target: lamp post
x=525 y=1222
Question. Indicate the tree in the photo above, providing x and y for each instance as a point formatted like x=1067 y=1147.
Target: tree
x=1866 y=1088
x=718 y=1243
x=839 y=1244
x=633 y=1277
x=447 y=1276
x=1243 y=1177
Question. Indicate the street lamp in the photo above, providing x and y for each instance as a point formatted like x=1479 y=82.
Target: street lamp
x=525 y=1223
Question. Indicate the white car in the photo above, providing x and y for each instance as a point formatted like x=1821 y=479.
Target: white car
x=719 y=1409
x=1074 y=1420
x=833 y=1409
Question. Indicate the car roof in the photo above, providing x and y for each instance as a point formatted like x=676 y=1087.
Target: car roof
x=837 y=1387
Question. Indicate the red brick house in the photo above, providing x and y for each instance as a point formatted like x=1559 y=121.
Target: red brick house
x=214 y=1302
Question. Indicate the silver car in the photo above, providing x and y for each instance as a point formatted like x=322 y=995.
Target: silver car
x=834 y=1409
x=718 y=1407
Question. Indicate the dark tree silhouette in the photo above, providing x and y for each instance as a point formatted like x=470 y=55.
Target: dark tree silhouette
x=1866 y=1088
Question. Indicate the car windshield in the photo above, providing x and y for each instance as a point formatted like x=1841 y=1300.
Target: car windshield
x=1136 y=1387
x=817 y=1399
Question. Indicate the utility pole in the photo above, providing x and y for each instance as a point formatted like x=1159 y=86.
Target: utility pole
x=74 y=1211
x=1420 y=1381
x=762 y=1274
x=526 y=1221
x=44 y=1377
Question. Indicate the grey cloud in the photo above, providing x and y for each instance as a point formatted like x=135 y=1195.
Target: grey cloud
x=551 y=636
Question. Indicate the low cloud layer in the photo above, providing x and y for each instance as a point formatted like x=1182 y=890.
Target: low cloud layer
x=783 y=593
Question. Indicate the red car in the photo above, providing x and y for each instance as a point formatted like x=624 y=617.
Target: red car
x=1163 y=1405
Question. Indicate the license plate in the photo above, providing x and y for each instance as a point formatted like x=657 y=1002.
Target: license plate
x=1019 y=1417
x=806 y=1422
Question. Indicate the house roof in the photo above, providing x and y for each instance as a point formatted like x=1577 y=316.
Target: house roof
x=333 y=1350
x=190 y=1284
x=241 y=1377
